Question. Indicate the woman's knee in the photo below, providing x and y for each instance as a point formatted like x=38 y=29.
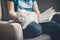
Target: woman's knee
x=33 y=30
x=36 y=27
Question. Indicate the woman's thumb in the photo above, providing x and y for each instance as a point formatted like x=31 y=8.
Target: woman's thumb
x=18 y=9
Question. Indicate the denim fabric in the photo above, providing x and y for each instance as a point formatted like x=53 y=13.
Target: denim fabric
x=32 y=30
x=51 y=28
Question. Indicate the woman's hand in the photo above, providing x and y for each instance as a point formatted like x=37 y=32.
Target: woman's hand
x=38 y=16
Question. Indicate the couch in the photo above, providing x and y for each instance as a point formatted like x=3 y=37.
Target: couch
x=13 y=31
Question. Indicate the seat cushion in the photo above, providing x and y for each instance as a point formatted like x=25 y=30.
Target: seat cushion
x=41 y=37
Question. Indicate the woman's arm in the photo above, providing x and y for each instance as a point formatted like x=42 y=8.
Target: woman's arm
x=11 y=11
x=36 y=9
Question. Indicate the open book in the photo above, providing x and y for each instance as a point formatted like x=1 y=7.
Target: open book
x=47 y=15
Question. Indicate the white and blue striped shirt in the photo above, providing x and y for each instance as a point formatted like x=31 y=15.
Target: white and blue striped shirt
x=26 y=4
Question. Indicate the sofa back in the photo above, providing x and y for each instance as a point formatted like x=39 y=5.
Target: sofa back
x=45 y=4
x=5 y=16
x=0 y=11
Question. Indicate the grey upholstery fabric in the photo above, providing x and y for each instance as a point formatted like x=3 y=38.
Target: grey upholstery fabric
x=0 y=11
x=41 y=37
x=7 y=32
x=5 y=16
x=51 y=3
x=11 y=31
x=18 y=31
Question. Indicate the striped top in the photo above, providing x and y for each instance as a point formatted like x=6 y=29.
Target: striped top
x=26 y=4
x=23 y=4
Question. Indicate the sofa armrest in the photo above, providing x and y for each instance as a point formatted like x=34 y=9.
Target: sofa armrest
x=18 y=30
x=4 y=22
x=12 y=31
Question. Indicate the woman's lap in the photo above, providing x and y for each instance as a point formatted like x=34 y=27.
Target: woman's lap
x=33 y=30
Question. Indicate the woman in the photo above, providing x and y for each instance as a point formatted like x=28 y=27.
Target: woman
x=33 y=29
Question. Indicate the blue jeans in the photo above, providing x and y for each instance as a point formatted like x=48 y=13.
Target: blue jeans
x=51 y=28
x=32 y=30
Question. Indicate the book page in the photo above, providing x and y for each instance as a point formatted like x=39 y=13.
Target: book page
x=47 y=15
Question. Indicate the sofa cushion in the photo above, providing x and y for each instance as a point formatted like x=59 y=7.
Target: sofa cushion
x=41 y=37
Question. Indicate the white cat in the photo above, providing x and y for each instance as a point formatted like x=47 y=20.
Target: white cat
x=26 y=17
